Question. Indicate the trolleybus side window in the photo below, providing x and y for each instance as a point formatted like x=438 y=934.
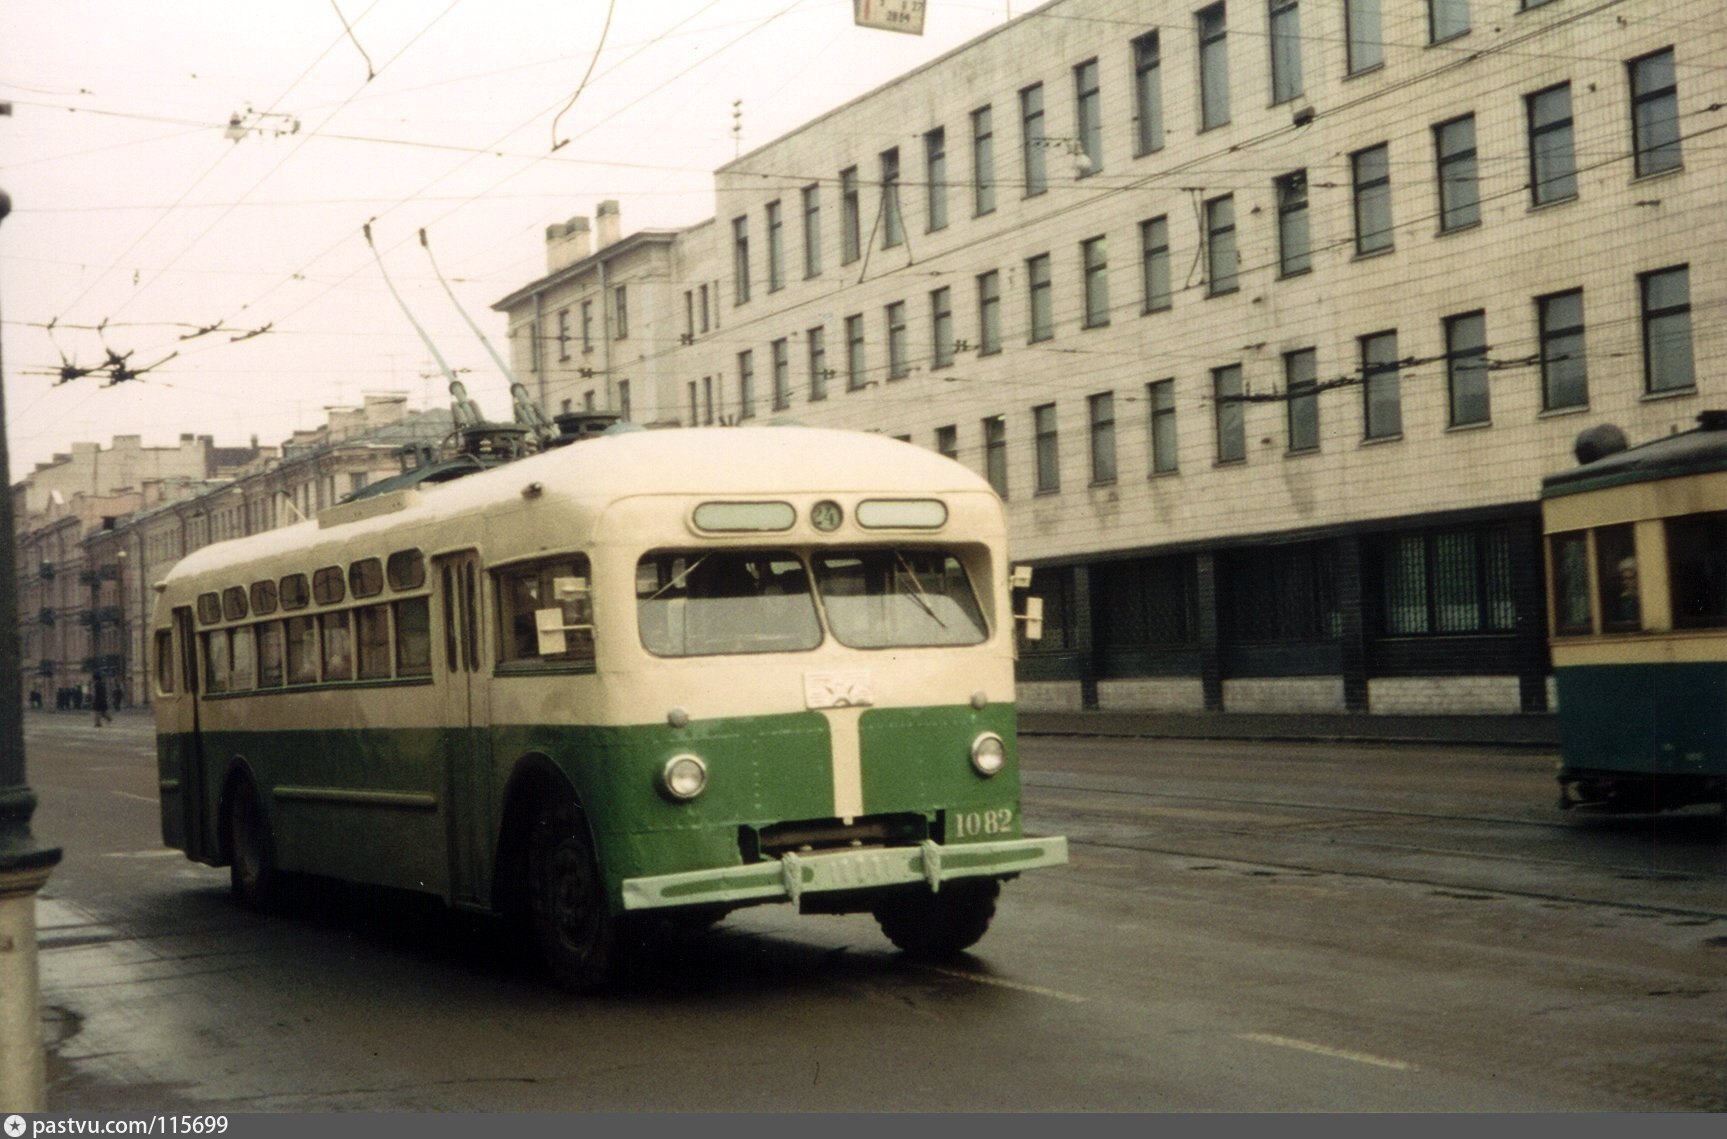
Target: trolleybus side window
x=302 y=649
x=881 y=598
x=216 y=663
x=710 y=602
x=406 y=570
x=414 y=634
x=209 y=608
x=165 y=660
x=1616 y=574
x=366 y=577
x=294 y=594
x=546 y=612
x=327 y=587
x=234 y=604
x=338 y=645
x=263 y=597
x=270 y=658
x=1697 y=560
x=1571 y=584
x=372 y=640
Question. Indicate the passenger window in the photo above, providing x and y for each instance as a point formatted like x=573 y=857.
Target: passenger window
x=1697 y=557
x=406 y=570
x=216 y=665
x=327 y=588
x=164 y=661
x=414 y=637
x=372 y=637
x=551 y=597
x=240 y=677
x=263 y=598
x=294 y=593
x=1616 y=575
x=302 y=650
x=209 y=609
x=270 y=655
x=1570 y=555
x=338 y=646
x=366 y=577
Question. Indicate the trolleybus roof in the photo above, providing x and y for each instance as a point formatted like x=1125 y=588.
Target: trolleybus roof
x=1702 y=449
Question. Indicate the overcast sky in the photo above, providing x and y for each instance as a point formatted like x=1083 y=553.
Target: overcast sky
x=138 y=229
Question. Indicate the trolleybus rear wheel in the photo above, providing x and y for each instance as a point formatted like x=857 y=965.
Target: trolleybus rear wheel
x=576 y=931
x=943 y=923
x=252 y=874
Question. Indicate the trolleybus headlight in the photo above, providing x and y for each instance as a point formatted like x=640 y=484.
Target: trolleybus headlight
x=684 y=776
x=988 y=754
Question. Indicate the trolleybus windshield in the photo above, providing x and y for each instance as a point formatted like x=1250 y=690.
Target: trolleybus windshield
x=877 y=598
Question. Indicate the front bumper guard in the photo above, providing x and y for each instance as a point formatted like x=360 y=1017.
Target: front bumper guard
x=794 y=875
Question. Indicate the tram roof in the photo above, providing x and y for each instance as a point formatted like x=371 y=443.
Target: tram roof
x=1697 y=451
x=730 y=461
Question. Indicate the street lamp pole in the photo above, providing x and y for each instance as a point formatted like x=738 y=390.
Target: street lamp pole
x=24 y=863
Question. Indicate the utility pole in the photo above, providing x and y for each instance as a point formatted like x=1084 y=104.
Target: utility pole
x=24 y=862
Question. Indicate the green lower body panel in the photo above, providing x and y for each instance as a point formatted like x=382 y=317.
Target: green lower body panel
x=794 y=875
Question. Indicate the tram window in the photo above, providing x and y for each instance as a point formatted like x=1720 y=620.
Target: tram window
x=240 y=675
x=880 y=598
x=1616 y=574
x=366 y=577
x=302 y=650
x=703 y=603
x=216 y=661
x=209 y=609
x=406 y=570
x=372 y=638
x=338 y=641
x=270 y=655
x=414 y=636
x=560 y=584
x=1697 y=560
x=164 y=661
x=327 y=588
x=263 y=598
x=234 y=604
x=294 y=594
x=1570 y=554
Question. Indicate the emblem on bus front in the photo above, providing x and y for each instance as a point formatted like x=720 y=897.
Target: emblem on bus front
x=838 y=689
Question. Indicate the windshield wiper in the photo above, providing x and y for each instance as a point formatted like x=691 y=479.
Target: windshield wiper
x=922 y=597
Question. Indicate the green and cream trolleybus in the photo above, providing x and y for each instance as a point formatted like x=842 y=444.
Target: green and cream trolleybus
x=654 y=672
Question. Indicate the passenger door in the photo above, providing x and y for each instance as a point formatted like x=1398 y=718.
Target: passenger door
x=464 y=663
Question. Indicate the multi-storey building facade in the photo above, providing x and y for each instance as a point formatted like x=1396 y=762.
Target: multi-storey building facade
x=1266 y=317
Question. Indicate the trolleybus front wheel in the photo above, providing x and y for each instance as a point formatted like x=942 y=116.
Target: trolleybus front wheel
x=252 y=872
x=576 y=931
x=942 y=923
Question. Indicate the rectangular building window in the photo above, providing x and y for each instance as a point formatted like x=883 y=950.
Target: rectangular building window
x=855 y=375
x=746 y=384
x=1220 y=255
x=995 y=453
x=1213 y=67
x=1654 y=112
x=740 y=260
x=1564 y=375
x=1046 y=450
x=1366 y=41
x=812 y=200
x=935 y=178
x=892 y=230
x=947 y=442
x=982 y=161
x=941 y=327
x=1666 y=300
x=708 y=400
x=1147 y=95
x=1466 y=369
x=1101 y=409
x=1446 y=18
x=989 y=313
x=588 y=325
x=1301 y=388
x=851 y=236
x=624 y=400
x=1088 y=117
x=776 y=248
x=1032 y=145
x=1294 y=244
x=782 y=365
x=898 y=342
x=1382 y=390
x=1552 y=158
x=1154 y=263
x=1230 y=417
x=1371 y=169
x=563 y=334
x=1455 y=581
x=1094 y=258
x=816 y=344
x=1160 y=397
x=1459 y=184
x=703 y=291
x=621 y=313
x=1285 y=19
x=1278 y=594
x=1040 y=299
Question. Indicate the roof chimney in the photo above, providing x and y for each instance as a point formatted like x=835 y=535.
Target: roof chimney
x=608 y=222
x=566 y=244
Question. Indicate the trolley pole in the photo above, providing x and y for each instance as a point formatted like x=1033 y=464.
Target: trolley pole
x=24 y=862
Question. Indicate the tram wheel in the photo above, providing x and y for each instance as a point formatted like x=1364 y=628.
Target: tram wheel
x=252 y=875
x=578 y=936
x=942 y=923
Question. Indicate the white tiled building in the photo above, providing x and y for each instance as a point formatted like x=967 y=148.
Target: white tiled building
x=1266 y=316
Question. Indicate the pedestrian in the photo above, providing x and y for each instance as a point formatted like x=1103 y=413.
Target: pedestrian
x=99 y=702
x=36 y=698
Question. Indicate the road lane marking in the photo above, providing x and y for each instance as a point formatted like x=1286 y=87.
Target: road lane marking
x=140 y=798
x=143 y=854
x=1323 y=1050
x=1002 y=983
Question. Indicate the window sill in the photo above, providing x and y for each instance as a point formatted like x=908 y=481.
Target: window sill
x=1669 y=393
x=1450 y=39
x=1562 y=412
x=1169 y=474
x=1229 y=292
x=1302 y=452
x=1370 y=254
x=1294 y=273
x=1456 y=229
x=1657 y=175
x=1381 y=440
x=1359 y=72
x=1478 y=425
x=1535 y=207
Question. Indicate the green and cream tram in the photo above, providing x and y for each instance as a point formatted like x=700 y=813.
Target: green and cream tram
x=1637 y=588
x=677 y=671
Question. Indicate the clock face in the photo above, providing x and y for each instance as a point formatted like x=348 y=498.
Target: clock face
x=825 y=516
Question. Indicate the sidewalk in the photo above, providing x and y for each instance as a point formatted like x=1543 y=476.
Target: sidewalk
x=1510 y=731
